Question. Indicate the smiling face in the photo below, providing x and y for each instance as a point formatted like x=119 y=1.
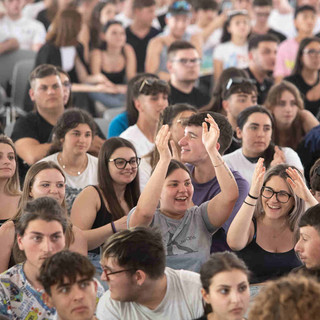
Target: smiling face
x=255 y=134
x=286 y=110
x=41 y=239
x=308 y=247
x=176 y=195
x=228 y=295
x=7 y=161
x=193 y=150
x=274 y=209
x=78 y=140
x=74 y=300
x=127 y=174
x=49 y=183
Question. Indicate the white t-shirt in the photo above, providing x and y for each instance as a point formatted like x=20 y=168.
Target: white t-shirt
x=232 y=55
x=31 y=10
x=139 y=140
x=237 y=161
x=145 y=170
x=27 y=31
x=182 y=301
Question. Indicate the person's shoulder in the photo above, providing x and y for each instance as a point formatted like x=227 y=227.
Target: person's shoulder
x=128 y=132
x=92 y=158
x=12 y=274
x=184 y=276
x=233 y=155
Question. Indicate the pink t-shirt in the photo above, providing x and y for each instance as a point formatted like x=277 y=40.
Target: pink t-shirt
x=286 y=57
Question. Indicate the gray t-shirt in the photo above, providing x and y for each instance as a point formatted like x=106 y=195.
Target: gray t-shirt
x=188 y=240
x=182 y=301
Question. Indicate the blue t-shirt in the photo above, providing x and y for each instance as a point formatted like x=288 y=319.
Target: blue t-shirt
x=118 y=124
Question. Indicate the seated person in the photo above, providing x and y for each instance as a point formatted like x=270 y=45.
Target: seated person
x=208 y=23
x=141 y=287
x=178 y=18
x=184 y=69
x=187 y=230
x=262 y=232
x=29 y=33
x=69 y=285
x=238 y=94
x=141 y=31
x=72 y=138
x=233 y=49
x=255 y=128
x=150 y=98
x=128 y=118
x=308 y=245
x=304 y=21
x=305 y=74
x=203 y=173
x=292 y=121
x=40 y=233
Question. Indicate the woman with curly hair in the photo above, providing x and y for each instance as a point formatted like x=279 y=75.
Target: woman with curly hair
x=293 y=297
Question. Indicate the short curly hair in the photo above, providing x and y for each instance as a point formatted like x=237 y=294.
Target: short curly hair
x=292 y=297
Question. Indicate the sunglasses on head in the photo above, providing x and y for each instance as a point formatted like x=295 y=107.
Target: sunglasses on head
x=238 y=80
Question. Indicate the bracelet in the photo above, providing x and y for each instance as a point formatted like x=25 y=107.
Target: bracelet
x=218 y=165
x=113 y=227
x=249 y=204
x=252 y=197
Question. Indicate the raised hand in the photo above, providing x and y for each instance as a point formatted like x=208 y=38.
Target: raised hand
x=162 y=140
x=210 y=136
x=278 y=157
x=257 y=178
x=298 y=185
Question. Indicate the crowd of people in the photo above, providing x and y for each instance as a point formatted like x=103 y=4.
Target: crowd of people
x=202 y=201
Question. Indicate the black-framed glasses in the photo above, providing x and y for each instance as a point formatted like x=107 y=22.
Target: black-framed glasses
x=238 y=80
x=107 y=274
x=149 y=83
x=312 y=52
x=121 y=163
x=185 y=61
x=282 y=196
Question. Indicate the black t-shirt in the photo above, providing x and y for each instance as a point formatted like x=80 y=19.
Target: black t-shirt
x=31 y=126
x=140 y=45
x=263 y=88
x=195 y=97
x=297 y=80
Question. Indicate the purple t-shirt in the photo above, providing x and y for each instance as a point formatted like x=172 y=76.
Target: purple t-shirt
x=206 y=191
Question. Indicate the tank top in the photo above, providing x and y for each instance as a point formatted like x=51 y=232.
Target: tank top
x=266 y=265
x=116 y=77
x=103 y=217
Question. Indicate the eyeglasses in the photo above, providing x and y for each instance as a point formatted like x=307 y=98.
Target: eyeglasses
x=282 y=196
x=312 y=52
x=149 y=83
x=107 y=274
x=238 y=80
x=185 y=61
x=121 y=163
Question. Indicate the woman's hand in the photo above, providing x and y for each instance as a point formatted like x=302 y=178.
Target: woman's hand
x=162 y=140
x=278 y=157
x=257 y=178
x=298 y=185
x=210 y=136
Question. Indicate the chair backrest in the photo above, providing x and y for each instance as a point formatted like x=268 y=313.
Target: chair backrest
x=7 y=62
x=103 y=125
x=20 y=77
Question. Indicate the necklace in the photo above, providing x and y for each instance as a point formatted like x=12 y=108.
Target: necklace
x=78 y=172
